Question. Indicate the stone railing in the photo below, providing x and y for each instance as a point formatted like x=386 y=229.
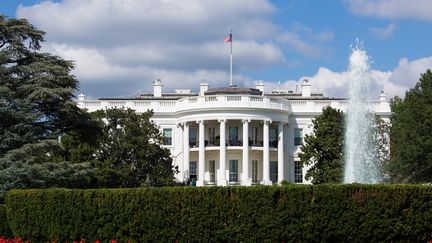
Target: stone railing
x=307 y=106
x=232 y=101
x=228 y=102
x=191 y=103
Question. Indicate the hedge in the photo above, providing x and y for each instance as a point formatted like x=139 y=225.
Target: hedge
x=4 y=225
x=331 y=213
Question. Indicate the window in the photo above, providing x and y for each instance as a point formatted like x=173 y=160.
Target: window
x=298 y=171
x=233 y=167
x=254 y=136
x=212 y=136
x=254 y=171
x=167 y=135
x=212 y=170
x=233 y=136
x=273 y=137
x=193 y=137
x=192 y=170
x=298 y=136
x=273 y=171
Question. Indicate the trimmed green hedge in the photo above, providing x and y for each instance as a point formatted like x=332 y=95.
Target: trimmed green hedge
x=332 y=213
x=4 y=225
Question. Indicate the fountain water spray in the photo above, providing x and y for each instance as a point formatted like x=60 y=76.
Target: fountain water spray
x=360 y=158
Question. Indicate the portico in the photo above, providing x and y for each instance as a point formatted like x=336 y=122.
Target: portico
x=228 y=151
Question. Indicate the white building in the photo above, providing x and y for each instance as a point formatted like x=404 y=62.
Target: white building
x=261 y=131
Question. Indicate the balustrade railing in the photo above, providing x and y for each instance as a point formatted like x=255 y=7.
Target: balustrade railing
x=228 y=101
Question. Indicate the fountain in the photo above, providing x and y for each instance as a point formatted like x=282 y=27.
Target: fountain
x=361 y=163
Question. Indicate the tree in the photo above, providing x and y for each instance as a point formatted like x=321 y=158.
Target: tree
x=128 y=153
x=411 y=134
x=36 y=105
x=381 y=138
x=323 y=150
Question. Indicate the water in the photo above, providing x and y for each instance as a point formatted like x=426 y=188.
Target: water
x=361 y=162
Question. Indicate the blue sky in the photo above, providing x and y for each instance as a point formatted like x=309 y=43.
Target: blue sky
x=120 y=47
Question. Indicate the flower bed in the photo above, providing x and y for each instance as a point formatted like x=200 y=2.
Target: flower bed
x=19 y=240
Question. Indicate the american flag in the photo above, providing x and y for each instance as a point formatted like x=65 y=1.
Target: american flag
x=228 y=38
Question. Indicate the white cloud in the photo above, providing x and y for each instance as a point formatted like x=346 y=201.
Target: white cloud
x=392 y=9
x=294 y=40
x=395 y=82
x=96 y=71
x=407 y=73
x=384 y=32
x=131 y=41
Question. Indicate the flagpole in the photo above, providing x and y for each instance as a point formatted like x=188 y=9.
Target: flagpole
x=231 y=60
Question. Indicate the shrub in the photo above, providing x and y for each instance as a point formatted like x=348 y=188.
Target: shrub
x=4 y=225
x=332 y=213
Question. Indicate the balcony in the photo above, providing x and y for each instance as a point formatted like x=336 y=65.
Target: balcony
x=233 y=143
x=232 y=102
x=256 y=143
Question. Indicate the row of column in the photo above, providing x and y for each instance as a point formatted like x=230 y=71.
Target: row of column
x=245 y=180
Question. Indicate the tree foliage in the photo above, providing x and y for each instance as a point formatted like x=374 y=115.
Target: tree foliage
x=36 y=89
x=36 y=107
x=128 y=153
x=323 y=150
x=47 y=141
x=411 y=156
x=381 y=138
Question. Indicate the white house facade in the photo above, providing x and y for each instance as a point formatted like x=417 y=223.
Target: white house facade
x=234 y=135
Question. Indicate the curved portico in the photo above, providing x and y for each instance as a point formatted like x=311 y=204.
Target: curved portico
x=230 y=162
x=231 y=138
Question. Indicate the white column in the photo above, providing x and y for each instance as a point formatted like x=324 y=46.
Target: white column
x=186 y=149
x=246 y=181
x=201 y=154
x=266 y=154
x=281 y=169
x=222 y=181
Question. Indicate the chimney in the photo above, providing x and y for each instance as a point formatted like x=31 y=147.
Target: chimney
x=260 y=86
x=157 y=88
x=203 y=87
x=81 y=97
x=382 y=97
x=306 y=88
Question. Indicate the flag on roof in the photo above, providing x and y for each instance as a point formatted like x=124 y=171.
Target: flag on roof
x=228 y=38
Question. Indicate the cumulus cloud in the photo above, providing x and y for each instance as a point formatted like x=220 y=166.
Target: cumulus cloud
x=408 y=72
x=336 y=84
x=131 y=42
x=384 y=32
x=392 y=9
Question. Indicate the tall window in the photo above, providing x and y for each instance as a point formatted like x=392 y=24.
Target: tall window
x=167 y=135
x=212 y=136
x=192 y=170
x=273 y=171
x=298 y=171
x=212 y=170
x=233 y=166
x=254 y=171
x=273 y=137
x=255 y=136
x=193 y=136
x=233 y=136
x=298 y=136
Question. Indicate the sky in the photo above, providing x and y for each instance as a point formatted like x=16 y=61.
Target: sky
x=120 y=46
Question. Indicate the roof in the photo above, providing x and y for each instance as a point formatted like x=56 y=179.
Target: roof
x=233 y=90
